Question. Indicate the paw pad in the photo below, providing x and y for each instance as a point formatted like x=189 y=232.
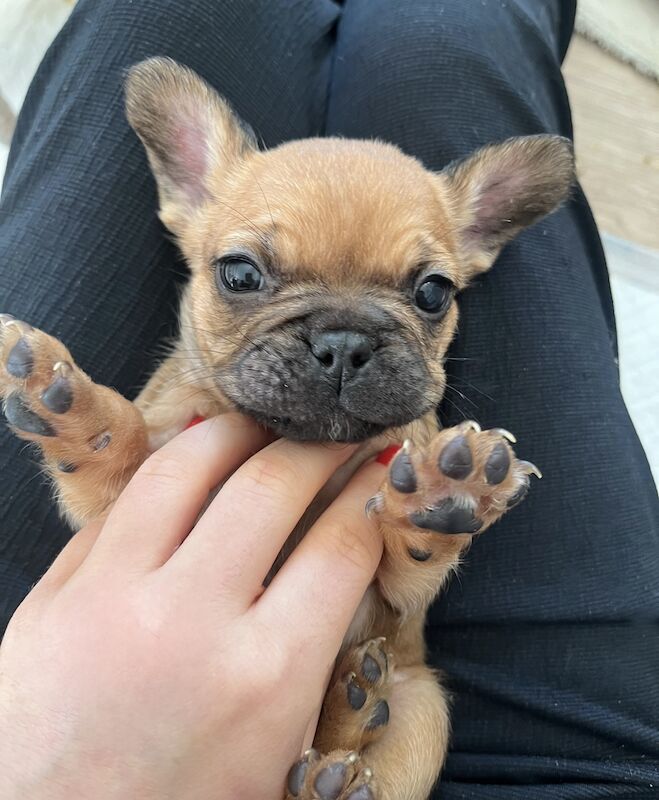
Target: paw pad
x=402 y=475
x=298 y=772
x=455 y=460
x=371 y=669
x=418 y=554
x=58 y=397
x=451 y=517
x=356 y=695
x=330 y=781
x=380 y=716
x=459 y=483
x=497 y=464
x=362 y=793
x=20 y=360
x=20 y=416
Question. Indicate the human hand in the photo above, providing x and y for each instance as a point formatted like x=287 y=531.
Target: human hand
x=148 y=663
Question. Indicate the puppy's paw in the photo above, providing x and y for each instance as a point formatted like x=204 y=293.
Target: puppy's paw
x=337 y=776
x=458 y=485
x=356 y=707
x=48 y=400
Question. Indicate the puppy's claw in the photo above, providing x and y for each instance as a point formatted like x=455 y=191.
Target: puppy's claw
x=23 y=327
x=469 y=425
x=504 y=434
x=63 y=368
x=529 y=468
x=374 y=505
x=5 y=318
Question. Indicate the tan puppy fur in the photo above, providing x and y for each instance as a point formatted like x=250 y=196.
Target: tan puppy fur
x=342 y=241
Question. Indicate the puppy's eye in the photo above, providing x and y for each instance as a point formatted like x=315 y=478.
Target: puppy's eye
x=433 y=294
x=239 y=275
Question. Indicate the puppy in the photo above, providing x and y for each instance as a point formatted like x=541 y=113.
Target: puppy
x=321 y=302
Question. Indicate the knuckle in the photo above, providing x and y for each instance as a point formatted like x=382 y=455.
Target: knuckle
x=160 y=467
x=349 y=540
x=267 y=477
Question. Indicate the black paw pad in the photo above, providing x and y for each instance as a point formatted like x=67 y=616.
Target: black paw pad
x=101 y=441
x=58 y=397
x=20 y=361
x=419 y=555
x=402 y=475
x=23 y=418
x=455 y=460
x=379 y=717
x=371 y=669
x=448 y=517
x=363 y=793
x=356 y=695
x=497 y=464
x=297 y=774
x=330 y=781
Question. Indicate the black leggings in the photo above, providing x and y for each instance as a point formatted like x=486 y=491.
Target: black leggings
x=549 y=635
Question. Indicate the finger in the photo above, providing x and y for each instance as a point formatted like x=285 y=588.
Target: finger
x=158 y=508
x=316 y=593
x=70 y=558
x=234 y=544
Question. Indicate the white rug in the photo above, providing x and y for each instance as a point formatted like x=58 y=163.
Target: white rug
x=627 y=28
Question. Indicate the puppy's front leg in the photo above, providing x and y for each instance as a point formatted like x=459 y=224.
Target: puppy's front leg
x=435 y=499
x=92 y=438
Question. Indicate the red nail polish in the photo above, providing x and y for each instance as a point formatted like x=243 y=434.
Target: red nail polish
x=194 y=421
x=387 y=455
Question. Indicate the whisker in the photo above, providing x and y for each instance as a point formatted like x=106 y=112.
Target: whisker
x=462 y=395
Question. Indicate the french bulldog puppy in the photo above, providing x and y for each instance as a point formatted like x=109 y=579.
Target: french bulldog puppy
x=322 y=298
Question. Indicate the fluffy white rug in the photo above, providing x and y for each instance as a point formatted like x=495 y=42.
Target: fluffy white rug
x=27 y=27
x=627 y=28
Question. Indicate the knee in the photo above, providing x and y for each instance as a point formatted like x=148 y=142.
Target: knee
x=427 y=39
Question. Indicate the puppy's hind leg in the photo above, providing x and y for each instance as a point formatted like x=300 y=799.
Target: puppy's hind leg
x=406 y=760
x=92 y=439
x=384 y=731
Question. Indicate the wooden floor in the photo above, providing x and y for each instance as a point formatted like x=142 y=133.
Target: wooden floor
x=616 y=127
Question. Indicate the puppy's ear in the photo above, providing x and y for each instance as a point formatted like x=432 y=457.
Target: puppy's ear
x=189 y=132
x=503 y=188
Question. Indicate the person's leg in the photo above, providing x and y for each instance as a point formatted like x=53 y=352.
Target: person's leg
x=549 y=635
x=82 y=254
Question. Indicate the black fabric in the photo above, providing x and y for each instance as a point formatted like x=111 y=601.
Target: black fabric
x=549 y=637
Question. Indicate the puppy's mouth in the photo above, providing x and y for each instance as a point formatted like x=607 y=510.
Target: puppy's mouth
x=326 y=427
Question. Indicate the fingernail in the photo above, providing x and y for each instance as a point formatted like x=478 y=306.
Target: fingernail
x=386 y=456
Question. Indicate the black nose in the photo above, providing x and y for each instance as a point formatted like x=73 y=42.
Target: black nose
x=341 y=354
